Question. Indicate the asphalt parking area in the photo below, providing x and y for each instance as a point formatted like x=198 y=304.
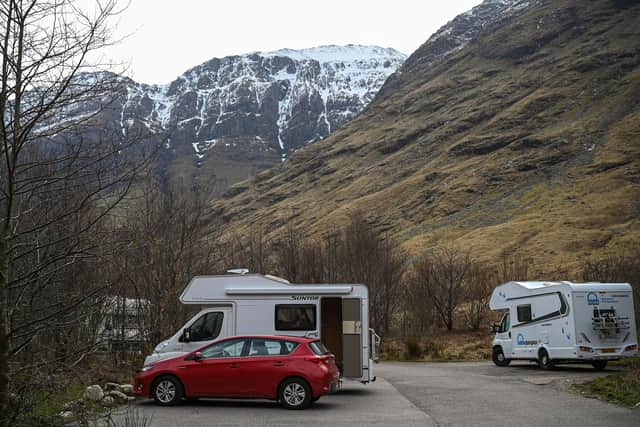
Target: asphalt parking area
x=422 y=394
x=521 y=394
x=378 y=403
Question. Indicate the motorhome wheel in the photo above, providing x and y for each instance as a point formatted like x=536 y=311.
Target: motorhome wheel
x=599 y=364
x=499 y=358
x=544 y=361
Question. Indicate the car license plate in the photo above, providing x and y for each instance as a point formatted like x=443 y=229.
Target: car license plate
x=607 y=350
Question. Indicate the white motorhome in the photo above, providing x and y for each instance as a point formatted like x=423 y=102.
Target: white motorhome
x=556 y=322
x=247 y=304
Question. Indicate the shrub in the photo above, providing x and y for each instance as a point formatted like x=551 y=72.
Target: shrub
x=413 y=348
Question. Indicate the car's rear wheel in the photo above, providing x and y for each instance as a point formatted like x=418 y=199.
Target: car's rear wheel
x=544 y=361
x=167 y=391
x=599 y=365
x=295 y=393
x=499 y=358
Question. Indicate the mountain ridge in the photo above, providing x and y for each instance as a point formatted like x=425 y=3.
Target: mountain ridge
x=520 y=141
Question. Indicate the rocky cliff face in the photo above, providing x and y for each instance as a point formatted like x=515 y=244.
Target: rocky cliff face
x=232 y=116
x=284 y=99
x=222 y=121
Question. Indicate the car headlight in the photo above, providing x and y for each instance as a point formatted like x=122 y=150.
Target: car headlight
x=146 y=368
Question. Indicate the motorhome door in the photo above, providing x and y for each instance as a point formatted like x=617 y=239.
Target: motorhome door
x=352 y=337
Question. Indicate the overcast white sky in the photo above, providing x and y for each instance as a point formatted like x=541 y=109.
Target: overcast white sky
x=166 y=37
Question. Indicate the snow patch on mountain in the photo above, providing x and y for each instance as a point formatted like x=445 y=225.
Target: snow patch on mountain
x=286 y=97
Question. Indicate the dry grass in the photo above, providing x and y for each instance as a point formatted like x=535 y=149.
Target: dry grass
x=440 y=347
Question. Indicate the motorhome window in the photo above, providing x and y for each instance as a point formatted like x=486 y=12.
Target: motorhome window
x=505 y=324
x=524 y=313
x=231 y=348
x=262 y=347
x=295 y=317
x=207 y=327
x=319 y=348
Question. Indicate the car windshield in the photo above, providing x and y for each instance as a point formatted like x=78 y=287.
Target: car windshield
x=318 y=348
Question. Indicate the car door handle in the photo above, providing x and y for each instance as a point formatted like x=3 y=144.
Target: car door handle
x=278 y=363
x=509 y=334
x=233 y=365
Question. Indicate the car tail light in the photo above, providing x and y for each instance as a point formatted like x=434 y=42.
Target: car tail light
x=632 y=347
x=326 y=360
x=585 y=348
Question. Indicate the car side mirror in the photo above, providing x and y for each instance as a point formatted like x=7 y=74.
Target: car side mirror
x=186 y=335
x=197 y=356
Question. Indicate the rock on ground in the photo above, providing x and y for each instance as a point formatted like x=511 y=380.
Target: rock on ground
x=94 y=393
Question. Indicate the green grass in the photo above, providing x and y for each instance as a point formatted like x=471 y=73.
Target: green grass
x=623 y=387
x=47 y=405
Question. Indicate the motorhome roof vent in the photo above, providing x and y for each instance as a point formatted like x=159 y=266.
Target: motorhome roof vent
x=238 y=271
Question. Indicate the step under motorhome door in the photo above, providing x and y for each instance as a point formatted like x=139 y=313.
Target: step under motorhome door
x=352 y=337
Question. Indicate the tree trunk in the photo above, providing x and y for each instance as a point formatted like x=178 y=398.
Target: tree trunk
x=4 y=330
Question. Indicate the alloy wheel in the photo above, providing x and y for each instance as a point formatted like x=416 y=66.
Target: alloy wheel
x=294 y=394
x=165 y=391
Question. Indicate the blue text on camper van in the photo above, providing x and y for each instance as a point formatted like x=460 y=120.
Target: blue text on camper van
x=521 y=341
x=592 y=298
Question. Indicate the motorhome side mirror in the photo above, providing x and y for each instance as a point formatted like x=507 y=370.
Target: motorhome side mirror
x=186 y=335
x=495 y=328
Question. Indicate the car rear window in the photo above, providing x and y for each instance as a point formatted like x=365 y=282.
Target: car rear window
x=267 y=347
x=318 y=348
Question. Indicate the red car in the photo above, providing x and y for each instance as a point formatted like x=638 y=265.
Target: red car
x=293 y=370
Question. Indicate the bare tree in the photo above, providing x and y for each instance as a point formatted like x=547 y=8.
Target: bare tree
x=479 y=285
x=288 y=252
x=512 y=266
x=443 y=275
x=56 y=185
x=170 y=244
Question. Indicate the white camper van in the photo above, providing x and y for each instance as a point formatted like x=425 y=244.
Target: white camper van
x=247 y=304
x=554 y=322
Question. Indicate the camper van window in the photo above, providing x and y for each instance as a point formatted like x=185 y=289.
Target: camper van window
x=295 y=317
x=504 y=325
x=207 y=327
x=524 y=313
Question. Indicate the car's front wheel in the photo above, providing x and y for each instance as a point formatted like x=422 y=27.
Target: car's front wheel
x=167 y=391
x=295 y=393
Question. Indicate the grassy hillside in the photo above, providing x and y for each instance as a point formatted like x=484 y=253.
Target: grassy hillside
x=527 y=139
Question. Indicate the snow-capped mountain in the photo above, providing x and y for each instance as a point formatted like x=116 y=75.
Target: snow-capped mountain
x=263 y=101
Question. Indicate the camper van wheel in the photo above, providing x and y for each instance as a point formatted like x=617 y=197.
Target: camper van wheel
x=167 y=390
x=499 y=358
x=544 y=361
x=295 y=393
x=599 y=364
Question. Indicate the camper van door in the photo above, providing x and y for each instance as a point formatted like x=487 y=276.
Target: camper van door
x=206 y=327
x=503 y=335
